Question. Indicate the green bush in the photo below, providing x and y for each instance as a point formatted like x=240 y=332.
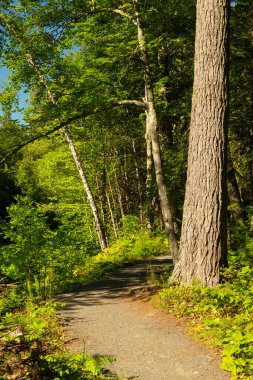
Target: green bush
x=11 y=298
x=41 y=255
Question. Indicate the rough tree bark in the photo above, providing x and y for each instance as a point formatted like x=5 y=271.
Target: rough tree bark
x=152 y=131
x=204 y=232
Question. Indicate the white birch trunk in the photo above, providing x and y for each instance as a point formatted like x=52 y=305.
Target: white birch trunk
x=67 y=136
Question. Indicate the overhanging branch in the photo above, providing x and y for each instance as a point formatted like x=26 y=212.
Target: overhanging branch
x=40 y=136
x=63 y=124
x=132 y=102
x=97 y=11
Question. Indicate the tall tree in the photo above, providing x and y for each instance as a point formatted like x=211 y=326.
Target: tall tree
x=204 y=231
x=152 y=132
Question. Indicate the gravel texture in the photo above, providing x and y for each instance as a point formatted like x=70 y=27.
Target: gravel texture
x=147 y=344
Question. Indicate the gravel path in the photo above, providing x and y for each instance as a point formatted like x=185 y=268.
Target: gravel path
x=146 y=343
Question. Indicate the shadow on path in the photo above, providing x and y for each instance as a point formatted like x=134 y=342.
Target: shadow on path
x=115 y=284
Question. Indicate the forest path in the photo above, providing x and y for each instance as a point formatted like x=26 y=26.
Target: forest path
x=146 y=343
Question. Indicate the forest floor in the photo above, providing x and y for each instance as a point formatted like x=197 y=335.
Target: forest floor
x=105 y=318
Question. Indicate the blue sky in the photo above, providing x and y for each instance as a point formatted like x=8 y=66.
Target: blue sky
x=4 y=74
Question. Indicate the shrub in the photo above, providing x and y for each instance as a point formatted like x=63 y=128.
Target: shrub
x=222 y=314
x=32 y=348
x=43 y=255
x=131 y=246
x=11 y=298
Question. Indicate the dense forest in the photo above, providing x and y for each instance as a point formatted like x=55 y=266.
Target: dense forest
x=135 y=140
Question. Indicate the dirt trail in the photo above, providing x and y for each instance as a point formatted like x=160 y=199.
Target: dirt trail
x=146 y=343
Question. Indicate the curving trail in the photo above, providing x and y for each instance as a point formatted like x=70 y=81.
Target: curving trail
x=146 y=343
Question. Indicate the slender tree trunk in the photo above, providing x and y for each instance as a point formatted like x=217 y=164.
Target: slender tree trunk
x=102 y=213
x=98 y=226
x=152 y=131
x=103 y=189
x=203 y=242
x=114 y=202
x=149 y=165
x=67 y=136
x=138 y=179
x=119 y=196
x=124 y=175
x=127 y=181
x=234 y=194
x=114 y=224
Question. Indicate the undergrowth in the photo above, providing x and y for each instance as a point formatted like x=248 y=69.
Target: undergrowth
x=127 y=249
x=32 y=348
x=221 y=315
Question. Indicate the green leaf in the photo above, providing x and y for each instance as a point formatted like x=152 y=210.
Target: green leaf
x=228 y=364
x=93 y=365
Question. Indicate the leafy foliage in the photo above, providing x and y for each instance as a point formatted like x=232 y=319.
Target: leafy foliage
x=40 y=253
x=11 y=298
x=222 y=314
x=32 y=346
x=133 y=245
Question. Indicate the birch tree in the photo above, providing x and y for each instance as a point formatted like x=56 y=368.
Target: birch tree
x=15 y=33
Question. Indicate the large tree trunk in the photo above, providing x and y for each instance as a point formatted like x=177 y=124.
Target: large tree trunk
x=152 y=131
x=204 y=230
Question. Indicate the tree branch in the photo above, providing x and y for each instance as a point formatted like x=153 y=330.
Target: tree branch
x=63 y=124
x=137 y=103
x=97 y=11
x=124 y=14
x=39 y=136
